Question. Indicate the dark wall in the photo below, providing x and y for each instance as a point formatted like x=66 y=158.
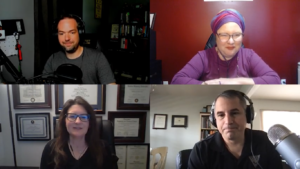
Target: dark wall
x=272 y=31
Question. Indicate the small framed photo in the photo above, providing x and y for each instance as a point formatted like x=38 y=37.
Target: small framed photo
x=33 y=126
x=152 y=20
x=32 y=96
x=160 y=121
x=179 y=121
x=93 y=94
x=128 y=126
x=208 y=108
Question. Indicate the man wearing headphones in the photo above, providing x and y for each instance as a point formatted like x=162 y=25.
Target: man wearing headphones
x=93 y=64
x=234 y=146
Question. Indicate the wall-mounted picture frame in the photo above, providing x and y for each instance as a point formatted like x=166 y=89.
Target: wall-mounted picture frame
x=132 y=155
x=33 y=126
x=32 y=96
x=208 y=108
x=152 y=20
x=128 y=126
x=56 y=124
x=133 y=97
x=160 y=121
x=98 y=9
x=179 y=121
x=95 y=95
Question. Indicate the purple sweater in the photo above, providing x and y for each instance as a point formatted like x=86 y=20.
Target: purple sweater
x=207 y=65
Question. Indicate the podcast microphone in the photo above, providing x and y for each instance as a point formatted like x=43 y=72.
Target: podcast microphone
x=64 y=74
x=69 y=73
x=286 y=143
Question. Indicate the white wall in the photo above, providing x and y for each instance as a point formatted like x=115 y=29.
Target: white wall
x=177 y=139
x=28 y=153
x=20 y=9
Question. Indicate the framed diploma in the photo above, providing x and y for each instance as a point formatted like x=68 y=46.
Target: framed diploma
x=133 y=156
x=33 y=126
x=160 y=121
x=93 y=94
x=133 y=97
x=128 y=126
x=31 y=96
x=179 y=121
x=56 y=124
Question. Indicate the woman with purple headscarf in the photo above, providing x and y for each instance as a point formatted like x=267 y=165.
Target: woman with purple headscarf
x=227 y=62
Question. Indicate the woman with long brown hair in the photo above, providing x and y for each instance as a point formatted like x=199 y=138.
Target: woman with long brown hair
x=78 y=144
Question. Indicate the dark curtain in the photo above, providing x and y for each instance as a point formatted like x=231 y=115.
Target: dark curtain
x=45 y=11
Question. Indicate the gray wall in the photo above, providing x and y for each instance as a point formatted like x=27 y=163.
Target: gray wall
x=21 y=9
x=28 y=153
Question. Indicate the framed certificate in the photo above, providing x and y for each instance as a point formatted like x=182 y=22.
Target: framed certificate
x=160 y=121
x=179 y=121
x=93 y=94
x=31 y=96
x=133 y=155
x=133 y=97
x=33 y=126
x=128 y=126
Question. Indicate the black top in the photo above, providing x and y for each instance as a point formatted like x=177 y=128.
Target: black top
x=211 y=153
x=85 y=162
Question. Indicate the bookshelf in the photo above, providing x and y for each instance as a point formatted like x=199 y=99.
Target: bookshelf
x=206 y=128
x=128 y=47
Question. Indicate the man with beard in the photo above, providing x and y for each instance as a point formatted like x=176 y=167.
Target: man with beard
x=234 y=146
x=93 y=64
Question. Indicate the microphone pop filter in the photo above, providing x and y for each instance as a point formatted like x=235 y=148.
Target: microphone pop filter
x=69 y=73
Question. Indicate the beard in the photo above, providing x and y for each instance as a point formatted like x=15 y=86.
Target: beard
x=70 y=49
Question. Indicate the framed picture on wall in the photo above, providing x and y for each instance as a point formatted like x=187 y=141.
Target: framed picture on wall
x=33 y=126
x=32 y=96
x=132 y=155
x=98 y=9
x=160 y=121
x=128 y=126
x=133 y=97
x=94 y=94
x=179 y=121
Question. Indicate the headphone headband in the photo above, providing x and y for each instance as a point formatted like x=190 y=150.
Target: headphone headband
x=79 y=21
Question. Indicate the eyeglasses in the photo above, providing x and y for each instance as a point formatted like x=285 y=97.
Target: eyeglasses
x=224 y=37
x=83 y=117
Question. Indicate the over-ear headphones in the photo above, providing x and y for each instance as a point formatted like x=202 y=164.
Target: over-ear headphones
x=249 y=109
x=80 y=24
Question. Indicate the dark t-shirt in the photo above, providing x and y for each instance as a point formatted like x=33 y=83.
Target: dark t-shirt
x=93 y=64
x=211 y=153
x=86 y=161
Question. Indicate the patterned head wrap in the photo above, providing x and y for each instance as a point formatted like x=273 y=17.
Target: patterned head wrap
x=227 y=15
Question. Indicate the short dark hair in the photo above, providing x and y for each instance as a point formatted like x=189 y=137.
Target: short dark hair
x=231 y=94
x=79 y=21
